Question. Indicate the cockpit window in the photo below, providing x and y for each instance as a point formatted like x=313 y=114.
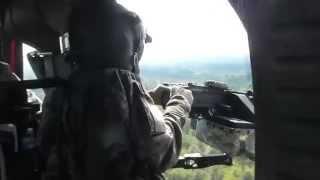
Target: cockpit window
x=193 y=42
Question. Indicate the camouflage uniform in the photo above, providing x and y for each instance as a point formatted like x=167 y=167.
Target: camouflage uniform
x=103 y=125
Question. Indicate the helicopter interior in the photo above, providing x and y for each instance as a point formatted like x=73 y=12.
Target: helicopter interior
x=283 y=39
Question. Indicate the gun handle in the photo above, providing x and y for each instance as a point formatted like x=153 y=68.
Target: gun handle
x=190 y=162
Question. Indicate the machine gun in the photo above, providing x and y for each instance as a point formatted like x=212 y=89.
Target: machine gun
x=229 y=113
x=216 y=102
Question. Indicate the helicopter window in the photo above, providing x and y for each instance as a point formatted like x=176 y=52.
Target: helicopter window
x=28 y=73
x=27 y=70
x=196 y=41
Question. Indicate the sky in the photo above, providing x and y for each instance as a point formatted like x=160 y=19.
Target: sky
x=189 y=30
x=184 y=30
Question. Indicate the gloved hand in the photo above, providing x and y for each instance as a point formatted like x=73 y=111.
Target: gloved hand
x=162 y=94
x=178 y=92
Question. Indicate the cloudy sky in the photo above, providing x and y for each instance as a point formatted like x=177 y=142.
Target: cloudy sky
x=190 y=29
x=185 y=30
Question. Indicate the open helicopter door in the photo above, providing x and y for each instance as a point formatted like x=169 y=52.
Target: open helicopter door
x=284 y=40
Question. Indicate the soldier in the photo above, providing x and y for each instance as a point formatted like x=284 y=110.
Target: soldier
x=107 y=124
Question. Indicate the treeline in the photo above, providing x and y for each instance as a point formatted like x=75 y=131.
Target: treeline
x=237 y=73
